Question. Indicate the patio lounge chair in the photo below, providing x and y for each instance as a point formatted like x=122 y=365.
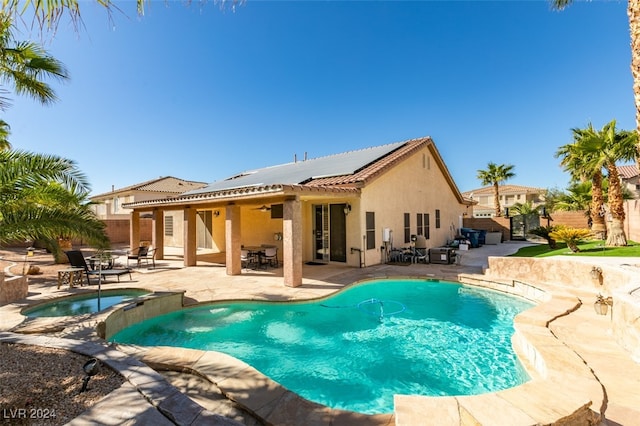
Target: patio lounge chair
x=77 y=260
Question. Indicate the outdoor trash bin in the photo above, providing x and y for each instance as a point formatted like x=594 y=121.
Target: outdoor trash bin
x=482 y=236
x=442 y=255
x=472 y=235
x=493 y=238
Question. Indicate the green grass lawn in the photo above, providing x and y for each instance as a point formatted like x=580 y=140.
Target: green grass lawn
x=590 y=248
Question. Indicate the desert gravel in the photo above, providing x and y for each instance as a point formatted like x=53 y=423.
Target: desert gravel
x=41 y=386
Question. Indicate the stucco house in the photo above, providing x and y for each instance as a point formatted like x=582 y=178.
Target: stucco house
x=508 y=194
x=109 y=205
x=630 y=179
x=349 y=208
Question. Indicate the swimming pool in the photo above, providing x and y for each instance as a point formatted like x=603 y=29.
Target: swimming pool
x=358 y=348
x=82 y=304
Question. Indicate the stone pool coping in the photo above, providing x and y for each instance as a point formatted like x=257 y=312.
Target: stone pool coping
x=33 y=325
x=144 y=388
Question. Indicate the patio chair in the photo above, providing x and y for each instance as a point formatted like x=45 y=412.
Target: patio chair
x=270 y=257
x=77 y=260
x=142 y=253
x=248 y=259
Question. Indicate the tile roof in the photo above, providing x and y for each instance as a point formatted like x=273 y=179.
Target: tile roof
x=343 y=173
x=628 y=172
x=167 y=184
x=504 y=189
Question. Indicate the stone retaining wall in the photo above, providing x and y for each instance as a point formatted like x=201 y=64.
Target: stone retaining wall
x=140 y=310
x=13 y=288
x=615 y=279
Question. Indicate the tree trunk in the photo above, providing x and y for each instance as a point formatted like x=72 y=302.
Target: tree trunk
x=616 y=236
x=633 y=12
x=58 y=248
x=596 y=210
x=496 y=199
x=573 y=246
x=599 y=230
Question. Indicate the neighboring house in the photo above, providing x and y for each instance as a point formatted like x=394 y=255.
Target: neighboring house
x=509 y=195
x=630 y=179
x=110 y=204
x=349 y=208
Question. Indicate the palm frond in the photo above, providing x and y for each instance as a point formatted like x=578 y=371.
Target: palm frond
x=34 y=222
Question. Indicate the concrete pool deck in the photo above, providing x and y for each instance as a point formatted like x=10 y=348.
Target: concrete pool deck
x=612 y=387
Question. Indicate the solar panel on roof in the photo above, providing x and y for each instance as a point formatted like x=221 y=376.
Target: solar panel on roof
x=301 y=171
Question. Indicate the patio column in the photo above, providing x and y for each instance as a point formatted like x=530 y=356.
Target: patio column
x=157 y=233
x=233 y=239
x=190 y=240
x=134 y=230
x=292 y=243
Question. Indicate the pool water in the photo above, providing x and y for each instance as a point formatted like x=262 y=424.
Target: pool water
x=358 y=348
x=84 y=304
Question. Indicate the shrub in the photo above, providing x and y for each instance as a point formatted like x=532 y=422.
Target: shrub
x=544 y=232
x=571 y=236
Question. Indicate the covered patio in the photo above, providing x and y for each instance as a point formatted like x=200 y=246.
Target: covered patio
x=216 y=226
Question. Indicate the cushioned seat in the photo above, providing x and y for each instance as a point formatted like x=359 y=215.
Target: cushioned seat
x=77 y=260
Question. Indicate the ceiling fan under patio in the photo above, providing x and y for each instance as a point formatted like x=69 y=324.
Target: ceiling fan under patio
x=264 y=208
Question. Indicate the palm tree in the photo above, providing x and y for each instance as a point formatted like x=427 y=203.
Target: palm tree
x=4 y=136
x=525 y=208
x=545 y=232
x=494 y=175
x=47 y=13
x=633 y=12
x=603 y=149
x=576 y=162
x=43 y=197
x=576 y=197
x=24 y=65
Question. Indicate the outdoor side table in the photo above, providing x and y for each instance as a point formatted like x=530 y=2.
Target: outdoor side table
x=71 y=276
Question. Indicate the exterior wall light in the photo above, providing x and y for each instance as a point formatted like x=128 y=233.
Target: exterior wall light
x=596 y=274
x=347 y=209
x=602 y=304
x=216 y=213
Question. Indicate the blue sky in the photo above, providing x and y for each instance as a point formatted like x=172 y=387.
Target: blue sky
x=202 y=94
